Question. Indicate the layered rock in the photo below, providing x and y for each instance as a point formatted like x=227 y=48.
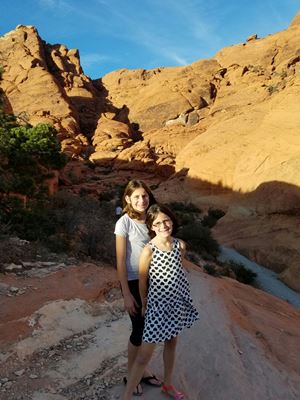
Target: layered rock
x=45 y=83
x=160 y=96
x=228 y=127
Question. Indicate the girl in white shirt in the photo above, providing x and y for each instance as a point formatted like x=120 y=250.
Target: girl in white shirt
x=131 y=236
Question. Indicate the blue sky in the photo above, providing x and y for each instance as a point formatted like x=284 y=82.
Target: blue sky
x=114 y=34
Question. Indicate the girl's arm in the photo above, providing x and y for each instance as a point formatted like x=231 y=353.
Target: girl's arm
x=129 y=301
x=187 y=265
x=144 y=264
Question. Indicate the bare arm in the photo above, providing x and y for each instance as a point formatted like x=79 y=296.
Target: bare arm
x=129 y=301
x=144 y=264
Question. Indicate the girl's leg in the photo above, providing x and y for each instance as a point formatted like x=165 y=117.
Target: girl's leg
x=137 y=369
x=169 y=360
x=132 y=352
x=135 y=339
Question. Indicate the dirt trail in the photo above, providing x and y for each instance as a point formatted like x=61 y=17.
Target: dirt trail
x=74 y=347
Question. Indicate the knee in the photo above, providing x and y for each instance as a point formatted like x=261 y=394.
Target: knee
x=142 y=359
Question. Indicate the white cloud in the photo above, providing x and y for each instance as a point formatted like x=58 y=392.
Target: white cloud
x=89 y=59
x=55 y=4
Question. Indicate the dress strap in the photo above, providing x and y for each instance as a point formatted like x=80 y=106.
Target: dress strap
x=152 y=246
x=176 y=244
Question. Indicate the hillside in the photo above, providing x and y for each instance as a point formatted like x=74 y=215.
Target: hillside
x=63 y=336
x=221 y=133
x=225 y=130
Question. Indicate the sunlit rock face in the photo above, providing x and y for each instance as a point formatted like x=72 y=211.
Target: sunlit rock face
x=228 y=127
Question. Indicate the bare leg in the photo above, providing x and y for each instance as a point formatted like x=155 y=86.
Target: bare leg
x=137 y=369
x=169 y=360
x=132 y=353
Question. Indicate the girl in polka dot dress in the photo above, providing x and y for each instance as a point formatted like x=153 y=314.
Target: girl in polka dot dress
x=165 y=295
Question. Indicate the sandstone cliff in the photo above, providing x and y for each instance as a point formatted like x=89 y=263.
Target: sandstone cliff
x=227 y=127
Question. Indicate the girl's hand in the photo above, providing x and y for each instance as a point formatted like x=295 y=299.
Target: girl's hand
x=130 y=304
x=144 y=305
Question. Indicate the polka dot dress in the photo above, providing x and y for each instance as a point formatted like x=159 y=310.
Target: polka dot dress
x=169 y=305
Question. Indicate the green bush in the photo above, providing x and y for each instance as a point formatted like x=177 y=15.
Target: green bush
x=36 y=222
x=186 y=207
x=27 y=154
x=107 y=196
x=199 y=238
x=243 y=274
x=210 y=269
x=30 y=146
x=86 y=224
x=213 y=215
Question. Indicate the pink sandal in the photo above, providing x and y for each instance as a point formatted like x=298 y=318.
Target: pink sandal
x=172 y=392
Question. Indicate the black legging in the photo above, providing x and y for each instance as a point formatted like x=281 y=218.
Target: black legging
x=137 y=320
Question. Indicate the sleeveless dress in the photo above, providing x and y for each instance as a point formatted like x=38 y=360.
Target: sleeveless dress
x=169 y=303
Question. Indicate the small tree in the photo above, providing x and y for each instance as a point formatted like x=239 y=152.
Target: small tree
x=27 y=155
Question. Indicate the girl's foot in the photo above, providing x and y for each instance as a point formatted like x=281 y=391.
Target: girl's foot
x=172 y=392
x=138 y=391
x=151 y=380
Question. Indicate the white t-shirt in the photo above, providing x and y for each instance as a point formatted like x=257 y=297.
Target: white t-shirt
x=137 y=236
x=118 y=210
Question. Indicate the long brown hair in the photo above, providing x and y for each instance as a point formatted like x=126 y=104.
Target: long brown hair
x=152 y=214
x=130 y=188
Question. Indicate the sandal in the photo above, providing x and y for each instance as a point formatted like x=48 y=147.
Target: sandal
x=138 y=390
x=172 y=392
x=148 y=380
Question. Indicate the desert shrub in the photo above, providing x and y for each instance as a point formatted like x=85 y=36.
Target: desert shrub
x=107 y=196
x=86 y=224
x=35 y=222
x=213 y=215
x=210 y=269
x=184 y=207
x=26 y=155
x=186 y=212
x=199 y=238
x=243 y=274
x=216 y=213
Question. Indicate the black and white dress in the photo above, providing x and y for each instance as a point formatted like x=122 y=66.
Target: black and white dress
x=169 y=305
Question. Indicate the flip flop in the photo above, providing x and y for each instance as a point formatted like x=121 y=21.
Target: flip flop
x=172 y=392
x=147 y=380
x=138 y=390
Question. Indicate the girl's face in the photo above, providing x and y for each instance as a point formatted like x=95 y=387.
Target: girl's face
x=162 y=225
x=139 y=200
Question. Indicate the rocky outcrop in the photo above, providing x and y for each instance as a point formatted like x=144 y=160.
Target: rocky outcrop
x=45 y=83
x=156 y=97
x=64 y=335
x=226 y=126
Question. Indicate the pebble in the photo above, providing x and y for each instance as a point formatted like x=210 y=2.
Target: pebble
x=20 y=372
x=13 y=289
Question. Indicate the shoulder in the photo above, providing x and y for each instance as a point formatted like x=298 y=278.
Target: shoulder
x=147 y=250
x=122 y=225
x=182 y=244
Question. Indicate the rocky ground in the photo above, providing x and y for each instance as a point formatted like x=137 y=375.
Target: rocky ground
x=63 y=336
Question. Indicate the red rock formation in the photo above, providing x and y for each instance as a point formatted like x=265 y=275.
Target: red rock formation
x=230 y=123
